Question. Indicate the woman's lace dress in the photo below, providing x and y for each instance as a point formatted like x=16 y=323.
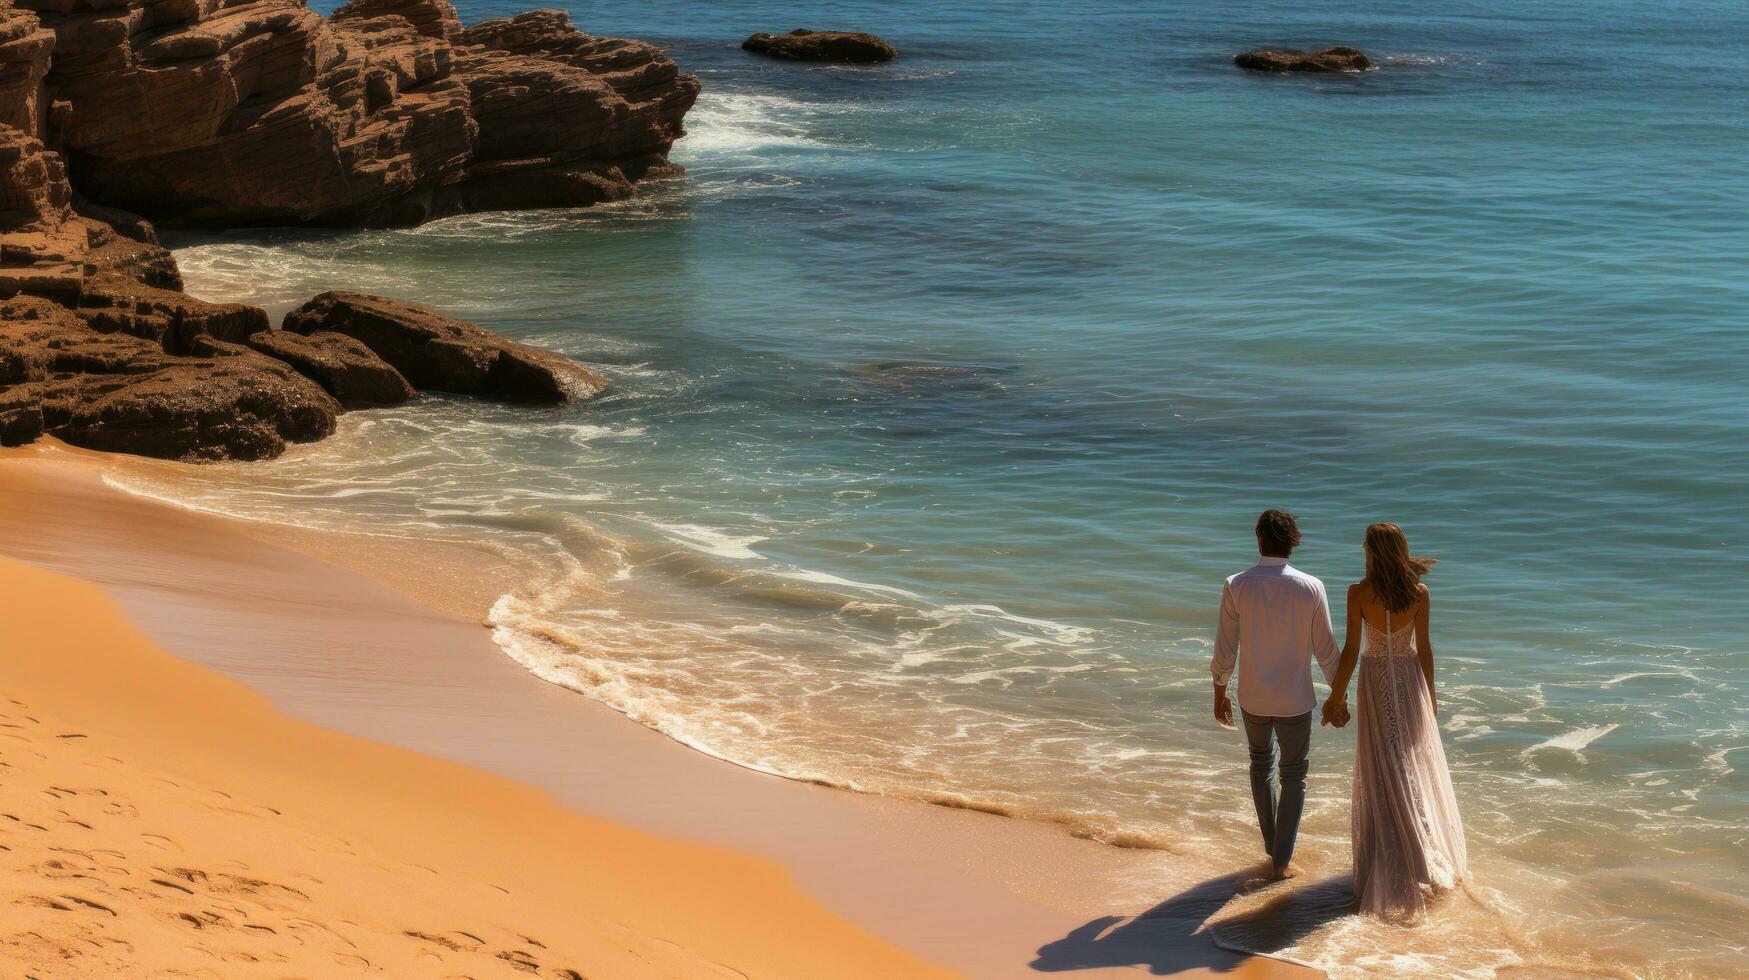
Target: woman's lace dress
x=1408 y=839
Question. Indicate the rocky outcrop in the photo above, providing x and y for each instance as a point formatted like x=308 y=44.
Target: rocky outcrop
x=440 y=353
x=118 y=392
x=211 y=112
x=347 y=369
x=229 y=112
x=848 y=47
x=100 y=347
x=1283 y=60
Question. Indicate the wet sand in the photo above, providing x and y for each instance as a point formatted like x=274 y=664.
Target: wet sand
x=329 y=630
x=159 y=818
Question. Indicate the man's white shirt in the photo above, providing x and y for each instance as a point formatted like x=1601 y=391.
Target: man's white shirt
x=1274 y=620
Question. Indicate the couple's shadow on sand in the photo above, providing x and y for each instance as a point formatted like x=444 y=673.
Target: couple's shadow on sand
x=1173 y=936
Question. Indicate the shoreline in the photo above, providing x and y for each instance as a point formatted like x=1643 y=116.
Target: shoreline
x=162 y=816
x=976 y=893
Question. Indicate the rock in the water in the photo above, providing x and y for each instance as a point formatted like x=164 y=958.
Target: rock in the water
x=342 y=365
x=441 y=353
x=1283 y=60
x=849 y=47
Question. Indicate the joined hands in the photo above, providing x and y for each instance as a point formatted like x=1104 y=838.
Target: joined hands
x=1335 y=713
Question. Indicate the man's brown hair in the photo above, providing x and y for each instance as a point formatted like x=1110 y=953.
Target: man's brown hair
x=1277 y=534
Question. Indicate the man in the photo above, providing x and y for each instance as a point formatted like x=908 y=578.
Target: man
x=1275 y=619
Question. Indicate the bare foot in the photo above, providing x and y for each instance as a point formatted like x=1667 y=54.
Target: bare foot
x=1283 y=874
x=1255 y=879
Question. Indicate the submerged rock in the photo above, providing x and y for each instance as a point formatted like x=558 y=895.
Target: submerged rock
x=1285 y=60
x=801 y=44
x=440 y=353
x=918 y=377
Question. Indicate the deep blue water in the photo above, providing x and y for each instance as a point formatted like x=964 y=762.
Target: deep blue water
x=1494 y=291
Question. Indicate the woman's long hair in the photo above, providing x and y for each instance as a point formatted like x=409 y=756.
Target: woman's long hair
x=1391 y=571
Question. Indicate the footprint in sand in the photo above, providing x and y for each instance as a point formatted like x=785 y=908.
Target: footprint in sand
x=435 y=940
x=88 y=903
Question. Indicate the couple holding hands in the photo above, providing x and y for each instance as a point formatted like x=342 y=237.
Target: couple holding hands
x=1275 y=620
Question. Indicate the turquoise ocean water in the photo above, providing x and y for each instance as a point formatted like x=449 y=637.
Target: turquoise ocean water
x=1495 y=291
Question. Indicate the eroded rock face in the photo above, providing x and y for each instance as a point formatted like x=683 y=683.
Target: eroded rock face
x=25 y=47
x=1283 y=60
x=346 y=368
x=440 y=353
x=208 y=112
x=801 y=44
x=132 y=286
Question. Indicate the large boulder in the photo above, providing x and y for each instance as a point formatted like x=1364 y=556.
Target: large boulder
x=638 y=71
x=346 y=368
x=801 y=44
x=441 y=353
x=1285 y=60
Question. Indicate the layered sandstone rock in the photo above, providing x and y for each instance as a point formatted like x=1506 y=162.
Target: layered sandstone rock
x=217 y=112
x=801 y=44
x=440 y=353
x=25 y=46
x=118 y=392
x=1283 y=60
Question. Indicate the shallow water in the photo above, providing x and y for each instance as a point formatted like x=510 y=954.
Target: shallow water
x=1493 y=291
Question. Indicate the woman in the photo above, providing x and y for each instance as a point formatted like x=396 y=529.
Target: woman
x=1408 y=839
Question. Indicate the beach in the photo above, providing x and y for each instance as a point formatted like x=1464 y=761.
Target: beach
x=167 y=816
x=825 y=475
